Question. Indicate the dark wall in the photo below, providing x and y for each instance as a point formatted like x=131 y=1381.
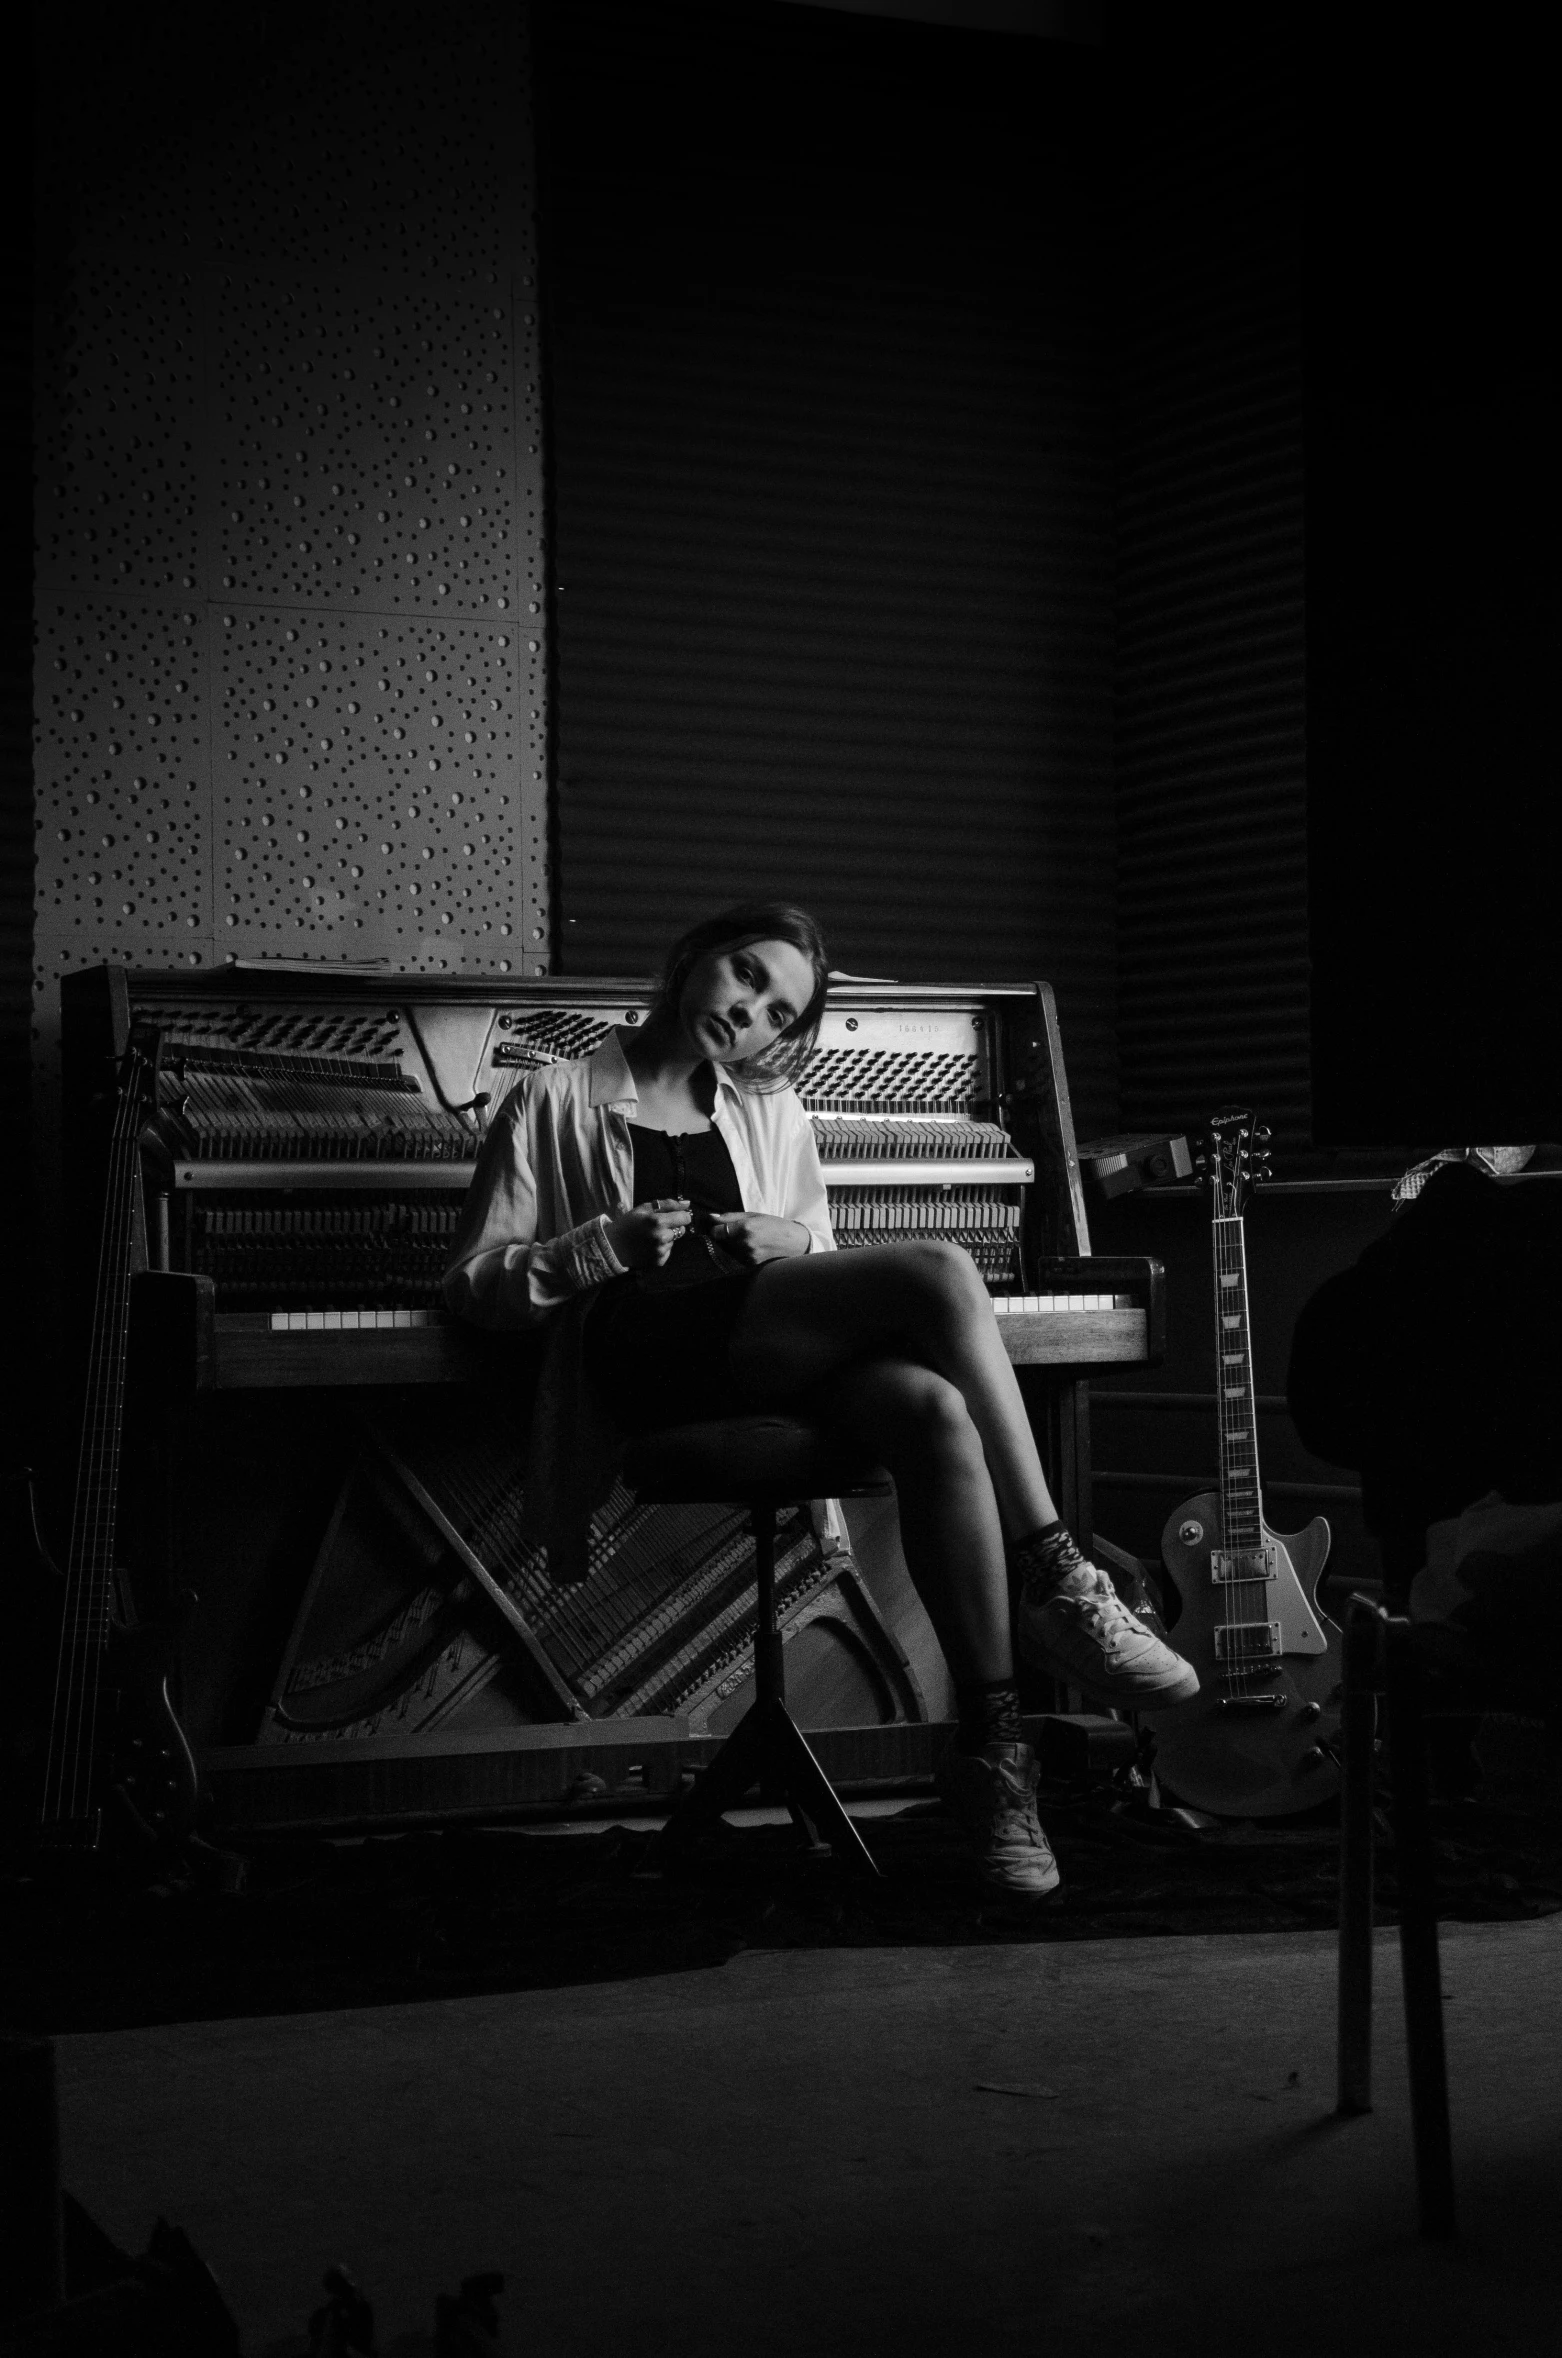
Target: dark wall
x=1207 y=140
x=1432 y=580
x=831 y=495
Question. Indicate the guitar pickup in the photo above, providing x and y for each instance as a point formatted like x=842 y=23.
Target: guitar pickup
x=1242 y=1563
x=1247 y=1641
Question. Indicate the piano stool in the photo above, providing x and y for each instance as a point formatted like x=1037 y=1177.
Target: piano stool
x=762 y=1463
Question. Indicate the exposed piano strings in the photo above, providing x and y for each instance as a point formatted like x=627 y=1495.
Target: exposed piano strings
x=658 y=1625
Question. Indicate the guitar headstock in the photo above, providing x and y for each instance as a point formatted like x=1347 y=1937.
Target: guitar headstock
x=1233 y=1157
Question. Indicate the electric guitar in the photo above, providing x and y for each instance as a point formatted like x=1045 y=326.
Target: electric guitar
x=118 y=1762
x=1261 y=1737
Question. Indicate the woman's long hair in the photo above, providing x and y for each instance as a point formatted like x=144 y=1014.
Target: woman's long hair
x=757 y=921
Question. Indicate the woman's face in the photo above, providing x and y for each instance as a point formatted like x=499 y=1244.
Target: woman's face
x=738 y=1002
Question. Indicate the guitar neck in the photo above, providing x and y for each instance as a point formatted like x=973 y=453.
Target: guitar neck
x=1240 y=1501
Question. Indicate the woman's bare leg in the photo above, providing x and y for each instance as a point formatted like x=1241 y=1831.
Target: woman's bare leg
x=916 y=1423
x=806 y=1320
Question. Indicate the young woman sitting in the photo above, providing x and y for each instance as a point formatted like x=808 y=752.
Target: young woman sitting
x=663 y=1198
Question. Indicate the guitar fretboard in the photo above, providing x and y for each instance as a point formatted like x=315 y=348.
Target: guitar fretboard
x=1240 y=1505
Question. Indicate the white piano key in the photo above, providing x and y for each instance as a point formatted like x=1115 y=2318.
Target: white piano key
x=314 y=1321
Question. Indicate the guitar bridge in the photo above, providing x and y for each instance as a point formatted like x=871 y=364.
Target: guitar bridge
x=1250 y=1703
x=1247 y=1641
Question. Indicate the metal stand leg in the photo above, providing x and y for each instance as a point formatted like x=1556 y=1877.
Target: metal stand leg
x=1420 y=1964
x=1359 y=1719
x=767 y=1748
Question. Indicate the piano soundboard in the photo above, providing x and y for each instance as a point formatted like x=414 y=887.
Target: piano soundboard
x=315 y=1133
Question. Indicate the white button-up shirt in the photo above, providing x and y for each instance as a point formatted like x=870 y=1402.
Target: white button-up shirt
x=558 y=1162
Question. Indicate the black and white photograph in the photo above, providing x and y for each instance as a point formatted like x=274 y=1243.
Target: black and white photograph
x=781 y=985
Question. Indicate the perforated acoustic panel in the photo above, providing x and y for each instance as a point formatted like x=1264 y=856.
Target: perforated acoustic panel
x=124 y=829
x=362 y=785
x=118 y=489
x=364 y=444
x=292 y=660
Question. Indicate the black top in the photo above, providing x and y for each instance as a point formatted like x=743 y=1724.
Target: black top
x=697 y=1165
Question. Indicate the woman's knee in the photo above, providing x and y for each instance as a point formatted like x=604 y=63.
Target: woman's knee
x=946 y=1276
x=921 y=1415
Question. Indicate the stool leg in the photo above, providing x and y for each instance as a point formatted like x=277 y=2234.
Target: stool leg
x=767 y=1748
x=725 y=1781
x=1420 y=1964
x=1359 y=1718
x=805 y=1786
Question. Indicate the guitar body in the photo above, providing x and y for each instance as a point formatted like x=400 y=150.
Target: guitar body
x=137 y=1783
x=1258 y=1740
x=148 y=1774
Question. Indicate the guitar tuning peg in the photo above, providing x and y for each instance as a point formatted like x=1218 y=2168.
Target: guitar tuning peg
x=1263 y=1131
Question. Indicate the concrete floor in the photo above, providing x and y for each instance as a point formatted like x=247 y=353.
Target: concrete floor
x=985 y=2151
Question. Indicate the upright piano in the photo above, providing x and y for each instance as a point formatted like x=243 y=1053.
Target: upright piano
x=333 y=1463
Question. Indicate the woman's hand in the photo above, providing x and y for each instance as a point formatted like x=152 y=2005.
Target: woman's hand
x=644 y=1237
x=753 y=1237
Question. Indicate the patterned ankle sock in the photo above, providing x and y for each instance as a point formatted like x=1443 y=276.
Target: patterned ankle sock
x=1045 y=1558
x=989 y=1714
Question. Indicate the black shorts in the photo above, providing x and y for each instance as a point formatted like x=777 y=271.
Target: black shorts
x=660 y=1357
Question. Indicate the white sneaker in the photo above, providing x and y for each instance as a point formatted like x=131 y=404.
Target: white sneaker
x=993 y=1792
x=1078 y=1627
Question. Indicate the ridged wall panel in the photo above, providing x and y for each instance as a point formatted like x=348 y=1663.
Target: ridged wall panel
x=1211 y=653
x=832 y=540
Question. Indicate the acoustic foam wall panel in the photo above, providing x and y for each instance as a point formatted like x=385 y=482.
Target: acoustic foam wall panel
x=117 y=496
x=293 y=420
x=363 y=784
x=364 y=445
x=124 y=850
